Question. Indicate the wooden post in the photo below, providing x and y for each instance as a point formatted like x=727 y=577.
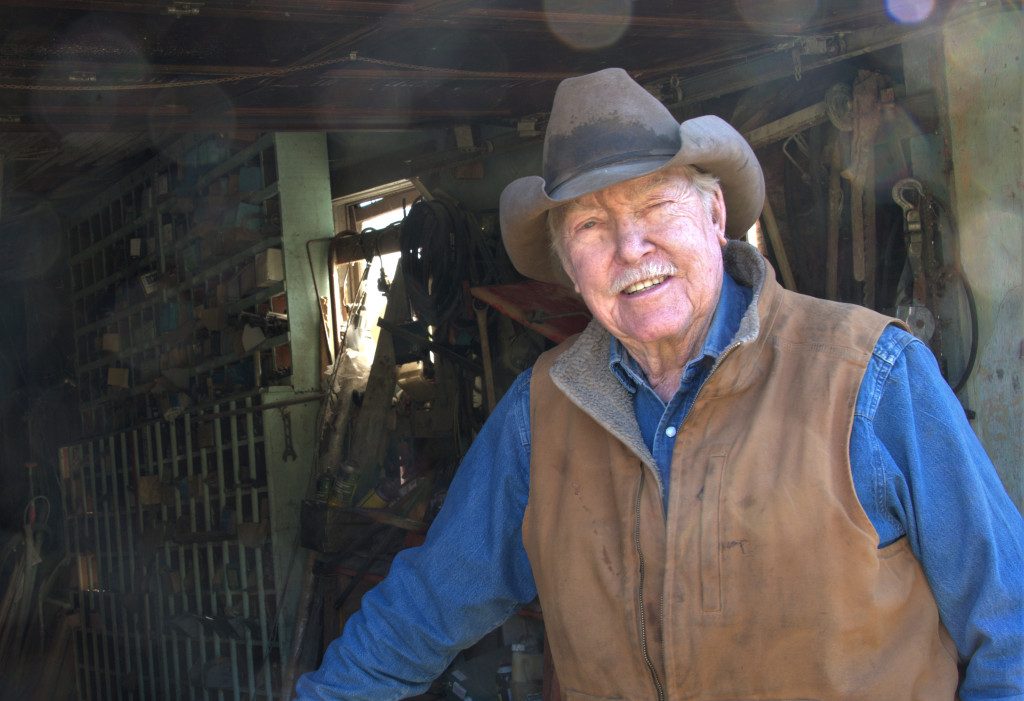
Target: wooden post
x=835 y=210
x=485 y=350
x=870 y=241
x=772 y=228
x=369 y=435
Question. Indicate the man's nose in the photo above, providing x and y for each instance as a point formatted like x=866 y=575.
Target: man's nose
x=632 y=239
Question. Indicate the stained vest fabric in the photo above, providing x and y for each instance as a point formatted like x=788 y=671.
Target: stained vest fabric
x=761 y=578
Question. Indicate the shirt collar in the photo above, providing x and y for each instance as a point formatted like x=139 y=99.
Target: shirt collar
x=732 y=303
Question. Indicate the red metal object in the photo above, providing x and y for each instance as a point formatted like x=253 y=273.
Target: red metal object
x=550 y=310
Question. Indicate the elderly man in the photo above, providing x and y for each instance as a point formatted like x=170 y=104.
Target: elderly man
x=720 y=489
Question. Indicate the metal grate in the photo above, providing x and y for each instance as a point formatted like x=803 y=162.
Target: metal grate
x=177 y=591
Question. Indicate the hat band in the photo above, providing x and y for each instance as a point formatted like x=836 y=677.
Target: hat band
x=617 y=159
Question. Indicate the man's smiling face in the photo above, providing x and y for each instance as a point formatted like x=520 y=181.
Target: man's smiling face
x=646 y=256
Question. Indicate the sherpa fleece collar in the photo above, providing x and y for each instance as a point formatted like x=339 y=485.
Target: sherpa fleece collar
x=582 y=371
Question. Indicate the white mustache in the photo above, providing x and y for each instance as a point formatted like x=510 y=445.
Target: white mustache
x=645 y=271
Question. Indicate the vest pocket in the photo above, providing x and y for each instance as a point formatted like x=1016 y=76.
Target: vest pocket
x=571 y=695
x=710 y=540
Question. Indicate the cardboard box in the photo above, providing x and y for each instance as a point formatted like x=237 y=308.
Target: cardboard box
x=111 y=342
x=213 y=318
x=167 y=318
x=247 y=279
x=233 y=290
x=250 y=179
x=248 y=216
x=149 y=490
x=118 y=377
x=204 y=437
x=231 y=342
x=176 y=357
x=269 y=267
x=150 y=282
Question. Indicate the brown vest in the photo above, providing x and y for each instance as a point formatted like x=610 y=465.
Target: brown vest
x=764 y=579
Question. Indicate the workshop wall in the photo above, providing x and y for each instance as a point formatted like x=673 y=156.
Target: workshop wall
x=974 y=69
x=983 y=75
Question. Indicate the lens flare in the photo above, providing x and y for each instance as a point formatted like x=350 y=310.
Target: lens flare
x=774 y=17
x=586 y=25
x=82 y=55
x=909 y=11
x=206 y=107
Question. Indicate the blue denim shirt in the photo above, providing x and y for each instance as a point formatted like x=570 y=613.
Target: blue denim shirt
x=919 y=471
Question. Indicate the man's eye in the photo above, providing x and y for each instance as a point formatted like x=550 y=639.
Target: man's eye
x=588 y=224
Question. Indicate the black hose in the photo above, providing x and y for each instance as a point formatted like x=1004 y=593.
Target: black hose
x=938 y=207
x=973 y=310
x=434 y=241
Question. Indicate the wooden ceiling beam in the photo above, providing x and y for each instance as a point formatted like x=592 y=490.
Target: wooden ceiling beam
x=674 y=22
x=442 y=14
x=256 y=118
x=321 y=10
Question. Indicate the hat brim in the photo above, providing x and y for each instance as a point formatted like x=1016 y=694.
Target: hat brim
x=708 y=143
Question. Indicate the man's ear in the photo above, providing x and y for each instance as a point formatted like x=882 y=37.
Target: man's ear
x=718 y=215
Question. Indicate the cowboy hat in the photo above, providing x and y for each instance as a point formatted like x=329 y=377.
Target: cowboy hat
x=604 y=129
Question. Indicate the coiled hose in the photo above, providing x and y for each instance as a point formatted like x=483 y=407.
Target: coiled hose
x=435 y=244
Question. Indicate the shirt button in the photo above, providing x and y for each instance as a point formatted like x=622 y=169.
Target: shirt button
x=670 y=431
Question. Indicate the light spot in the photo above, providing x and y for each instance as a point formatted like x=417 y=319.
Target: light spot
x=777 y=17
x=909 y=11
x=586 y=25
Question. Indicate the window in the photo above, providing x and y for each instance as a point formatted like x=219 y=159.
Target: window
x=356 y=287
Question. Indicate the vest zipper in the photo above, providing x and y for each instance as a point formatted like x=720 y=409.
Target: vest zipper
x=717 y=364
x=636 y=541
x=643 y=622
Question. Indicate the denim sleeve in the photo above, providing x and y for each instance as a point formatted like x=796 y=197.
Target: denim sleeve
x=921 y=473
x=470 y=574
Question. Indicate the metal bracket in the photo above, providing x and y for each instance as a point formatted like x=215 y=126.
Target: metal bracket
x=183 y=8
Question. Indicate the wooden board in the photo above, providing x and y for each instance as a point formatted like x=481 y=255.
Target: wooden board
x=550 y=310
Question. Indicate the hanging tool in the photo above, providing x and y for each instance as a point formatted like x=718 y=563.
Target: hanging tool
x=934 y=281
x=909 y=194
x=869 y=97
x=289 y=447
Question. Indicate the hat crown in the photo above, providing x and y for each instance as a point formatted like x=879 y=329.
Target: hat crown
x=604 y=119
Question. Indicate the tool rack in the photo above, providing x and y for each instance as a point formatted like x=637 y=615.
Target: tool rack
x=182 y=499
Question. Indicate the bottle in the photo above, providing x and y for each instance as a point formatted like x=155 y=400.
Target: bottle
x=503 y=680
x=324 y=484
x=344 y=486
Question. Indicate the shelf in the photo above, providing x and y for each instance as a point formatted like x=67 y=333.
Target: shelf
x=252 y=300
x=110 y=280
x=119 y=233
x=234 y=161
x=228 y=447
x=231 y=262
x=205 y=404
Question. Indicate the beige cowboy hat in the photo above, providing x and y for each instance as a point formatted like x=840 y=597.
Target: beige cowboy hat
x=604 y=129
